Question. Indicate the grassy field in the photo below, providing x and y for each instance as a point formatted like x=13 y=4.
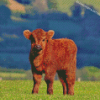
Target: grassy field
x=2 y=74
x=9 y=74
x=21 y=90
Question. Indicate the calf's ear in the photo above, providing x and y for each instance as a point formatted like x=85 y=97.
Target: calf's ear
x=27 y=34
x=50 y=34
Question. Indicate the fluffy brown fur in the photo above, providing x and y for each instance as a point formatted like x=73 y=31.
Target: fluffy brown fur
x=49 y=56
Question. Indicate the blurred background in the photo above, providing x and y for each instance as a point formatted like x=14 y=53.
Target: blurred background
x=79 y=22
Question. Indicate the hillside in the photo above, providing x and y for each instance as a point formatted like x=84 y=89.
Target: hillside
x=20 y=15
x=45 y=5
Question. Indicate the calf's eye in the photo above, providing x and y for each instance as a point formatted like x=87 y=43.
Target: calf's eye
x=43 y=40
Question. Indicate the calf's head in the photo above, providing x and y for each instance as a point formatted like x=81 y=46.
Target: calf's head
x=39 y=38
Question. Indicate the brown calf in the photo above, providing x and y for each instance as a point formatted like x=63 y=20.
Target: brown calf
x=49 y=56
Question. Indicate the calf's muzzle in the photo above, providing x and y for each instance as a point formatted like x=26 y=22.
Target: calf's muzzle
x=38 y=47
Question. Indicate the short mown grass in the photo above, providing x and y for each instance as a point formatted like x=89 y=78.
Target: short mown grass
x=21 y=90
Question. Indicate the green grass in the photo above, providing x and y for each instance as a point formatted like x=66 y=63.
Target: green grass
x=14 y=75
x=21 y=90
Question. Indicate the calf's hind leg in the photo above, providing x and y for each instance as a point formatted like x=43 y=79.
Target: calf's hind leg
x=62 y=78
x=70 y=81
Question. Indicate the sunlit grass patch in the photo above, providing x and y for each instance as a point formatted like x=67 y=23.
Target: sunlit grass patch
x=14 y=75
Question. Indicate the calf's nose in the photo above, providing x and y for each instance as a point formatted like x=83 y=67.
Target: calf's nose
x=38 y=47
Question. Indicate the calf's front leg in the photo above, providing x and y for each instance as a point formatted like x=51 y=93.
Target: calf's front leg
x=49 y=79
x=37 y=80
